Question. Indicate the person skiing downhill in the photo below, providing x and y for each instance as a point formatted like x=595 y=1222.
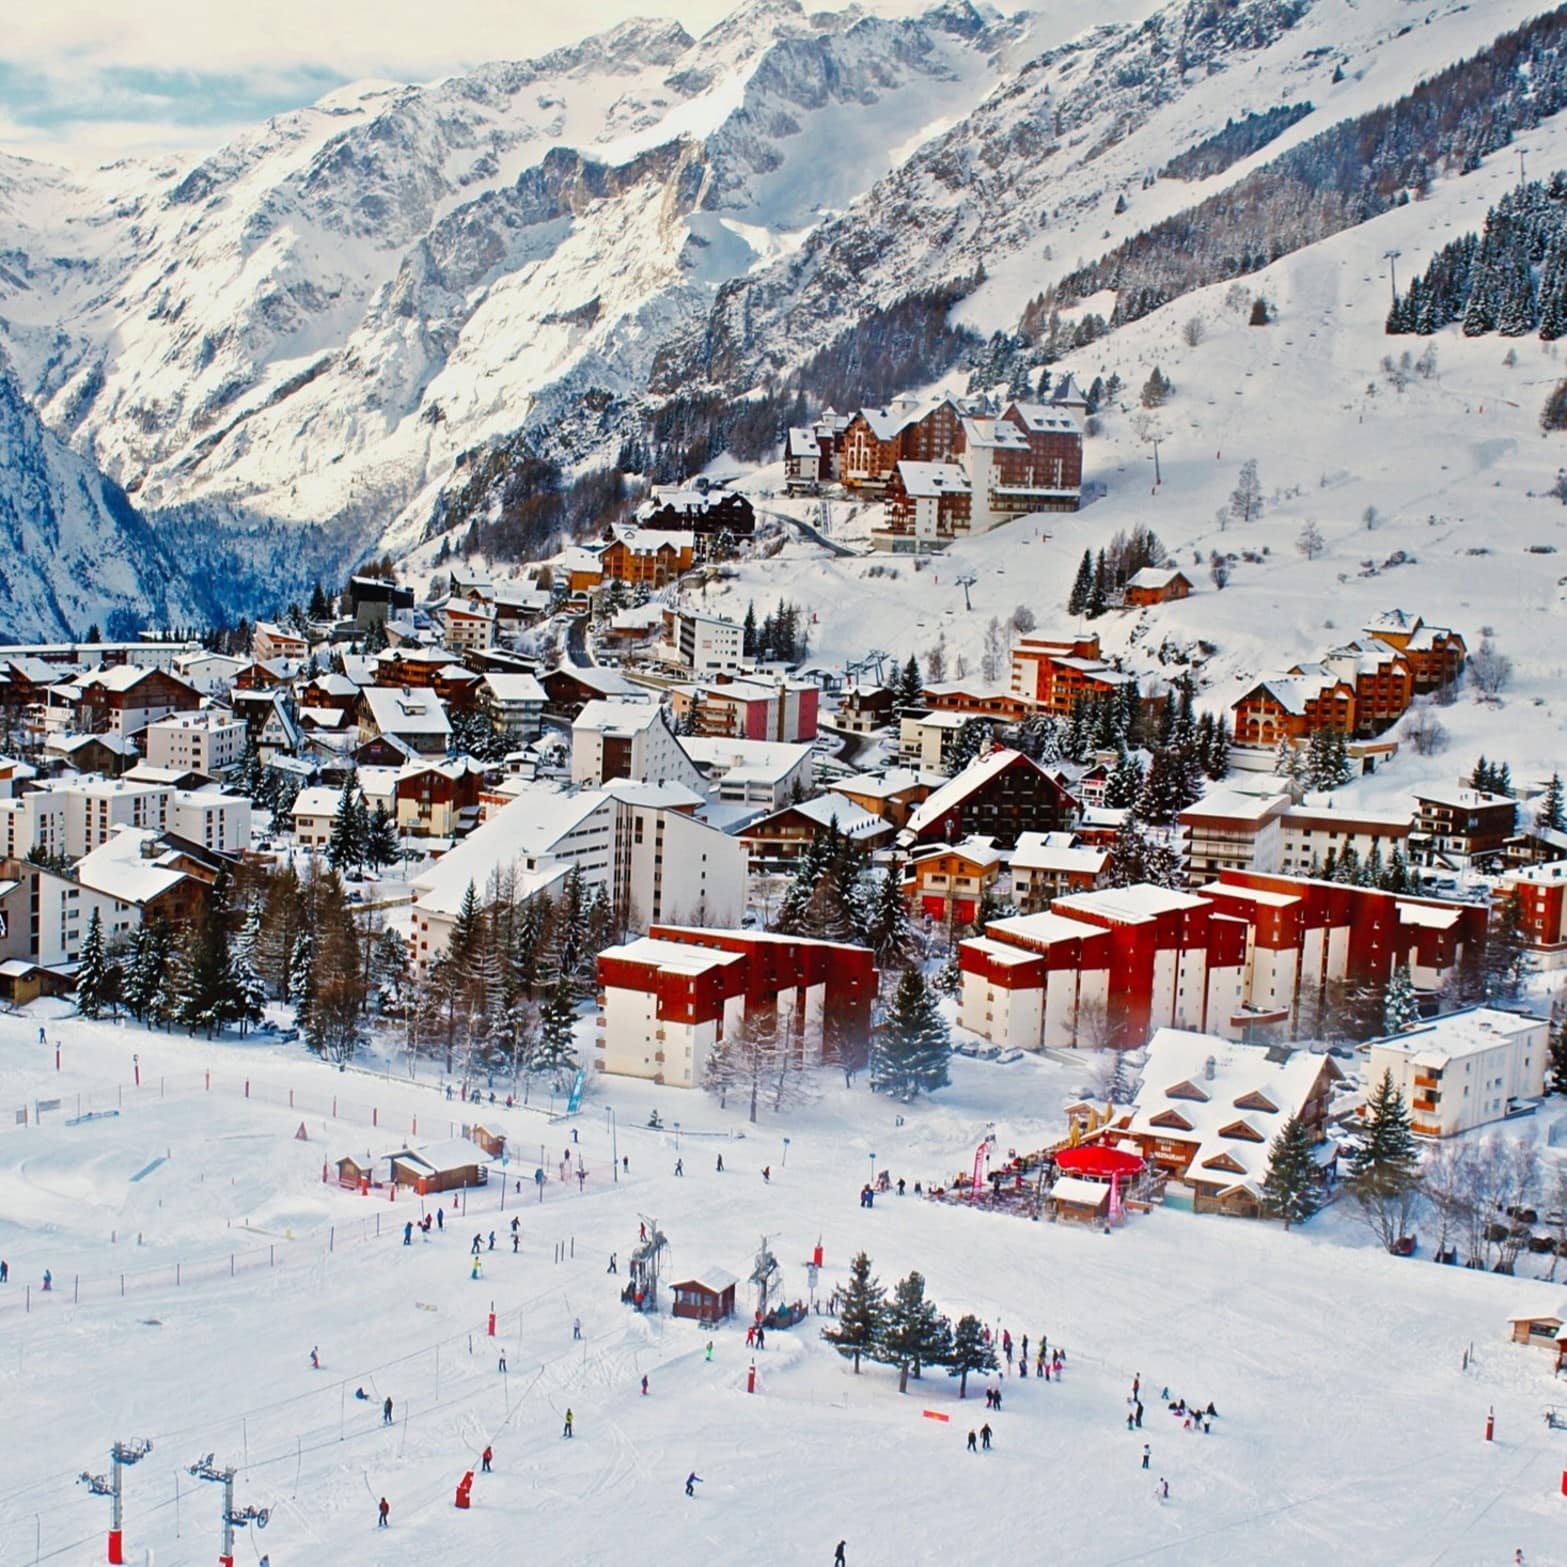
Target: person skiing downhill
x=484 y=1460
x=315 y=1360
x=408 y=1233
x=693 y=1480
x=386 y=1413
x=720 y=1164
x=680 y=1167
x=985 y=1434
x=973 y=1441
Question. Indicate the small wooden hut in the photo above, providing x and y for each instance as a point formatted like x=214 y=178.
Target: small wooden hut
x=707 y=1297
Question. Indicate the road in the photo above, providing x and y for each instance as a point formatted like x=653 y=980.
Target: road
x=809 y=530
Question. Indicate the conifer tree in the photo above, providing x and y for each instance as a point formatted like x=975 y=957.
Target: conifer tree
x=1399 y=1011
x=1077 y=600
x=144 y=983
x=557 y=1046
x=1552 y=812
x=1506 y=957
x=1290 y=1187
x=345 y=849
x=204 y=995
x=913 y=1046
x=970 y=1352
x=913 y=1335
x=92 y=974
x=911 y=686
x=1384 y=1164
x=861 y=1311
x=382 y=845
x=1559 y=1060
x=301 y=976
x=1098 y=589
x=890 y=935
x=246 y=993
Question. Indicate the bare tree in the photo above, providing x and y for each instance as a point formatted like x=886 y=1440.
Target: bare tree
x=1193 y=332
x=1489 y=671
x=1246 y=497
x=995 y=656
x=1024 y=620
x=1448 y=1184
x=1309 y=540
x=1218 y=570
x=1425 y=731
x=758 y=1059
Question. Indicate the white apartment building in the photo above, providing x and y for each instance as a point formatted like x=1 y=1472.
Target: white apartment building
x=518 y=704
x=97 y=806
x=704 y=644
x=314 y=812
x=32 y=823
x=220 y=822
x=1312 y=832
x=628 y=739
x=209 y=742
x=764 y=773
x=470 y=625
x=1464 y=1069
x=1232 y=830
x=925 y=739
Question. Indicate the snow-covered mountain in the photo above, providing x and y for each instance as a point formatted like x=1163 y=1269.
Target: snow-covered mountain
x=308 y=334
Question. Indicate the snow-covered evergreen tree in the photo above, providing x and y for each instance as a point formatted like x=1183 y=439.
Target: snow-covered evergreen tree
x=92 y=974
x=888 y=932
x=971 y=1351
x=862 y=1306
x=913 y=1047
x=913 y=1334
x=1290 y=1189
x=1399 y=1010
x=557 y=1046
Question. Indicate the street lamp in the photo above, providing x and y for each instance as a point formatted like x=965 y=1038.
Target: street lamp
x=614 y=1145
x=784 y=1162
x=873 y=1169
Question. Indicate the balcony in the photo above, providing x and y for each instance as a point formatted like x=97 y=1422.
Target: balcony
x=1426 y=1105
x=1425 y=1080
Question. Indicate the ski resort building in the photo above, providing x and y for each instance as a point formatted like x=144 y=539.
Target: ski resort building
x=947 y=883
x=999 y=796
x=1541 y=894
x=1247 y=953
x=1454 y=826
x=1055 y=675
x=668 y=998
x=1155 y=585
x=1464 y=1069
x=1208 y=1110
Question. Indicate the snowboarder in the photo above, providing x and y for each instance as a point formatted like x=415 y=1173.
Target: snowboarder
x=386 y=1413
x=408 y=1233
x=361 y=1395
x=386 y=1508
x=565 y=1430
x=315 y=1358
x=985 y=1435
x=1145 y=1455
x=720 y=1164
x=838 y=1558
x=767 y=1173
x=644 y=1387
x=693 y=1480
x=973 y=1441
x=680 y=1167
x=576 y=1327
x=484 y=1460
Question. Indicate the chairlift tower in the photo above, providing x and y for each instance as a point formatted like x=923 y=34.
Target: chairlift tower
x=205 y=1469
x=966 y=581
x=121 y=1455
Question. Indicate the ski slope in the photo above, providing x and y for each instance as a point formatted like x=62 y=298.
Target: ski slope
x=1348 y=1430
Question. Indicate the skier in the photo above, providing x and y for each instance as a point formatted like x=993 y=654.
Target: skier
x=767 y=1173
x=693 y=1480
x=710 y=1352
x=720 y=1164
x=576 y=1327
x=361 y=1395
x=516 y=1224
x=1164 y=1489
x=492 y=1240
x=1145 y=1455
x=41 y=1039
x=516 y=1242
x=484 y=1460
x=644 y=1387
x=565 y=1430
x=385 y=1505
x=478 y=1244
x=440 y=1218
x=625 y=1163
x=985 y=1435
x=611 y=1267
x=680 y=1167
x=408 y=1233
x=476 y=1268
x=838 y=1558
x=1137 y=1415
x=386 y=1413
x=502 y=1366
x=1137 y=1382
x=5 y=1271
x=973 y=1441
x=48 y=1280
x=315 y=1359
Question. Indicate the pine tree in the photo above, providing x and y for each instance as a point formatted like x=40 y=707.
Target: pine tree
x=913 y=1335
x=970 y=1352
x=1136 y=857
x=1399 y=1011
x=557 y=1047
x=1559 y=1060
x=1124 y=786
x=301 y=976
x=1246 y=497
x=913 y=1046
x=345 y=849
x=911 y=686
x=204 y=1000
x=92 y=976
x=972 y=738
x=246 y=994
x=888 y=932
x=1077 y=600
x=1290 y=1187
x=1552 y=813
x=1099 y=588
x=382 y=844
x=1506 y=957
x=1385 y=1146
x=862 y=1309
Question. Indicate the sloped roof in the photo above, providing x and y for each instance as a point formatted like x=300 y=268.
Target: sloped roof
x=974 y=777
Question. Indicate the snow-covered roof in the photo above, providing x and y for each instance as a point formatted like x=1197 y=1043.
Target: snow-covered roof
x=994 y=434
x=665 y=795
x=1237 y=806
x=412 y=713
x=926 y=480
x=119 y=869
x=803 y=443
x=1021 y=932
x=755 y=761
x=624 y=717
x=852 y=820
x=607 y=682
x=456 y=1153
x=678 y=957
x=1042 y=418
x=317 y=801
x=1140 y=902
x=956 y=790
x=1460 y=799
x=1156 y=577
x=714 y=1280
x=882 y=786
x=1220 y=1090
x=1079 y=1192
x=976 y=850
x=1035 y=852
x=1455 y=1035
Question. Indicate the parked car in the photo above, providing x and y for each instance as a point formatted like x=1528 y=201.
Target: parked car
x=1007 y=1057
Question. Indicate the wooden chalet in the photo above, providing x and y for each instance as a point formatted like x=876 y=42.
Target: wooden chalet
x=707 y=1297
x=1155 y=585
x=999 y=796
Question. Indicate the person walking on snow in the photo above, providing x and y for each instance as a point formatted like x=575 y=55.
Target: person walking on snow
x=440 y=1218
x=720 y=1164
x=985 y=1434
x=502 y=1366
x=1164 y=1489
x=565 y=1430
x=385 y=1513
x=838 y=1558
x=680 y=1167
x=767 y=1173
x=644 y=1387
x=476 y=1269
x=484 y=1460
x=478 y=1244
x=611 y=1267
x=492 y=1240
x=315 y=1360
x=1146 y=1455
x=516 y=1242
x=693 y=1480
x=973 y=1441
x=576 y=1328
x=408 y=1233
x=386 y=1413
x=710 y=1352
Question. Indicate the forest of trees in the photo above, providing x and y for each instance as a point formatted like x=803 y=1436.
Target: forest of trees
x=1239 y=139
x=1339 y=178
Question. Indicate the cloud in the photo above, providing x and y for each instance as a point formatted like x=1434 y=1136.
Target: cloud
x=182 y=73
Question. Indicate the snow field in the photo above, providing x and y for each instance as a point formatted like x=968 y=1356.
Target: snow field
x=1347 y=1430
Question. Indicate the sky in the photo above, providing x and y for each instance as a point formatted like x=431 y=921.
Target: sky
x=89 y=81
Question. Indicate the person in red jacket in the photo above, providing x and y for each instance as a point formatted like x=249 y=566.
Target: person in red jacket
x=386 y=1509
